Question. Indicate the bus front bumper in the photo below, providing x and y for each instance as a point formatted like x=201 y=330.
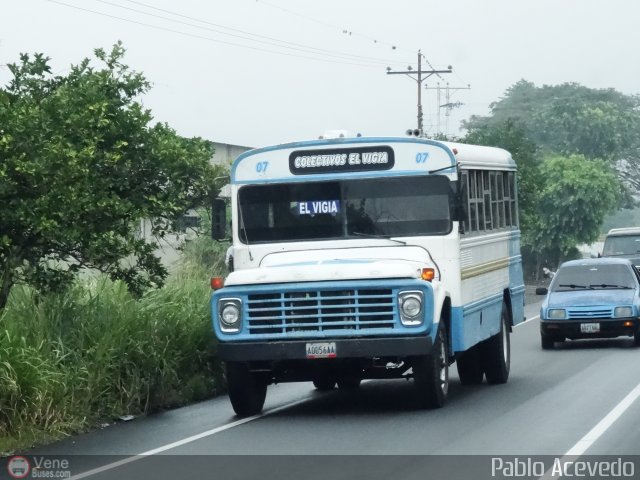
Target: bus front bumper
x=337 y=348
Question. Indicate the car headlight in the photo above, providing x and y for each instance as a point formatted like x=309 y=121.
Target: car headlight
x=230 y=314
x=557 y=313
x=411 y=308
x=623 y=312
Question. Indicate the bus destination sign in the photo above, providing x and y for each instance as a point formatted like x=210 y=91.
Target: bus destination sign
x=336 y=160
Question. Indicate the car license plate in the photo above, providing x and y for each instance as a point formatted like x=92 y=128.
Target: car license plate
x=321 y=350
x=589 y=327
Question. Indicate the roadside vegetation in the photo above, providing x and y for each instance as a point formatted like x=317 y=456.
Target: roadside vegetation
x=92 y=326
x=73 y=360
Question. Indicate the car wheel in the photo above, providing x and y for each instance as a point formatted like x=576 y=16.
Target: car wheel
x=636 y=338
x=431 y=372
x=247 y=390
x=546 y=342
x=496 y=352
x=469 y=367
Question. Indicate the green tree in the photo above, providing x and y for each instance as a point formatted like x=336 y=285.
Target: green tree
x=80 y=166
x=576 y=195
x=574 y=119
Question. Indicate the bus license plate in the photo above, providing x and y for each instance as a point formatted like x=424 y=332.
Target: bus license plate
x=589 y=327
x=321 y=350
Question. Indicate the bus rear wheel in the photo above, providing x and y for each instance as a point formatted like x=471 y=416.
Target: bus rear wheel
x=431 y=373
x=496 y=352
x=247 y=390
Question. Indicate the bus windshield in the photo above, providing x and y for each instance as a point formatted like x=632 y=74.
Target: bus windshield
x=385 y=207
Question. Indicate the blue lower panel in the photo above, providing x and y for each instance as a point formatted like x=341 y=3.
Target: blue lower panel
x=480 y=320
x=517 y=304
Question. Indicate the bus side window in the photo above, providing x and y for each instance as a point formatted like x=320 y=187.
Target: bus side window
x=488 y=222
x=513 y=193
x=473 y=203
x=464 y=202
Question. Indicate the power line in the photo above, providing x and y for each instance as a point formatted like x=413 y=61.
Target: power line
x=201 y=37
x=345 y=31
x=243 y=32
x=349 y=32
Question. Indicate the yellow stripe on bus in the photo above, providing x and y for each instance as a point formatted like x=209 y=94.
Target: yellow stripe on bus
x=483 y=268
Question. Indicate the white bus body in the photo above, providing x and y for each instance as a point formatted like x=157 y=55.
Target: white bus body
x=364 y=258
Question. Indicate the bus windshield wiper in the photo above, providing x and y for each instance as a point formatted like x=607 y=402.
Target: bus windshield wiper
x=572 y=285
x=607 y=285
x=378 y=235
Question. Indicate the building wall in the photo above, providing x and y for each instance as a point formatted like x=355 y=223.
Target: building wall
x=225 y=154
x=169 y=248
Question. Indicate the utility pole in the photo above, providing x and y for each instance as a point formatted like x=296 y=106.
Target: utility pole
x=419 y=76
x=448 y=105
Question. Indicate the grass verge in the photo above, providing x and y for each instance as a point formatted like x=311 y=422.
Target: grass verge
x=72 y=360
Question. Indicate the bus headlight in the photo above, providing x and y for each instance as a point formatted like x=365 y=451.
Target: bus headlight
x=411 y=308
x=620 y=312
x=230 y=314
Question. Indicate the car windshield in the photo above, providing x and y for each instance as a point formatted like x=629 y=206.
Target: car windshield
x=582 y=277
x=380 y=207
x=622 y=245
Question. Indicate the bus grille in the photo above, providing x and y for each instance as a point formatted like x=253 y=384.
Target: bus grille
x=320 y=311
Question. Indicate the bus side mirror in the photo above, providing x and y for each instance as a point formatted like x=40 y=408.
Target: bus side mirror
x=541 y=291
x=218 y=219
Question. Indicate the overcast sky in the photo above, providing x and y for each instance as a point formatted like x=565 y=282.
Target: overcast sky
x=254 y=72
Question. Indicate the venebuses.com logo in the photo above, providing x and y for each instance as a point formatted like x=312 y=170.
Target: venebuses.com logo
x=38 y=467
x=18 y=467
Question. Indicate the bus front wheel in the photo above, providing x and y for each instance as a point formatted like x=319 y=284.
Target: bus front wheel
x=324 y=382
x=247 y=390
x=431 y=373
x=496 y=352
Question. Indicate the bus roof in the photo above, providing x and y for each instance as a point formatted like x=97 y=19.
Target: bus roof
x=441 y=155
x=480 y=156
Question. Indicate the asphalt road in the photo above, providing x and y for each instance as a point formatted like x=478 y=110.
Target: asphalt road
x=579 y=399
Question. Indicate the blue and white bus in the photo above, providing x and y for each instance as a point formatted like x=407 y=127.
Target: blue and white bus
x=369 y=258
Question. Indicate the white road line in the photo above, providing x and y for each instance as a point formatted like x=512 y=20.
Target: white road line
x=527 y=320
x=596 y=432
x=184 y=441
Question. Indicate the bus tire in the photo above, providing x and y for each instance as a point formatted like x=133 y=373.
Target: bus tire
x=431 y=373
x=247 y=390
x=469 y=366
x=324 y=382
x=349 y=382
x=496 y=352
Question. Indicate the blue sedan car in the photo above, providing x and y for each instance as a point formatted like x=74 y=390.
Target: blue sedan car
x=591 y=298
